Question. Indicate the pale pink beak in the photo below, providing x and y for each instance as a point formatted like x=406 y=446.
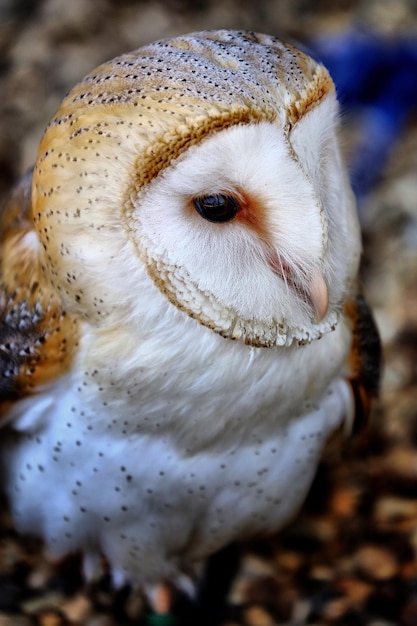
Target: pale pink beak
x=319 y=296
x=316 y=294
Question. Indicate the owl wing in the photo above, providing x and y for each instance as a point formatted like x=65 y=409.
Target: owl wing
x=37 y=337
x=364 y=360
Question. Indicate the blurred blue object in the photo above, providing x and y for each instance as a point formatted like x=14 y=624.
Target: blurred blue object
x=375 y=77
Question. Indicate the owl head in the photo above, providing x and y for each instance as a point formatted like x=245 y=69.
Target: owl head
x=208 y=167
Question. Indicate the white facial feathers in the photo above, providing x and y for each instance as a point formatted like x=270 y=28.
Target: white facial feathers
x=269 y=265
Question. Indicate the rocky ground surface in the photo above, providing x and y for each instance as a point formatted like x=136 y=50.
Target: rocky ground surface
x=350 y=558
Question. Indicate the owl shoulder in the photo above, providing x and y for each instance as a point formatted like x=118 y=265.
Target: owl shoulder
x=38 y=337
x=364 y=360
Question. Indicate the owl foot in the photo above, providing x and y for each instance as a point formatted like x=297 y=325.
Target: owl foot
x=161 y=600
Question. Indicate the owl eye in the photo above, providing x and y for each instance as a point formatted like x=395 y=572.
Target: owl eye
x=217 y=208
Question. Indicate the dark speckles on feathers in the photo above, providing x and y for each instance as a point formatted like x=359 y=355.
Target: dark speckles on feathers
x=37 y=336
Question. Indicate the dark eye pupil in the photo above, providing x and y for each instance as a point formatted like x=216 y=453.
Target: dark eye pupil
x=217 y=208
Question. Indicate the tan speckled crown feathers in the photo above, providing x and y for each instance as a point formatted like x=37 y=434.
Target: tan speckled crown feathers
x=190 y=82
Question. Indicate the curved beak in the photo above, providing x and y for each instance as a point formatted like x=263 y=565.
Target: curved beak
x=318 y=293
x=313 y=290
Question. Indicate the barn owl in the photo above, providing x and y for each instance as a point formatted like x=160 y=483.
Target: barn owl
x=181 y=322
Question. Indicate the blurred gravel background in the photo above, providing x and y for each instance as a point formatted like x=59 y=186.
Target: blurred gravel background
x=350 y=558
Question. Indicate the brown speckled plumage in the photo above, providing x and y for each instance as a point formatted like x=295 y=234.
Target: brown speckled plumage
x=37 y=337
